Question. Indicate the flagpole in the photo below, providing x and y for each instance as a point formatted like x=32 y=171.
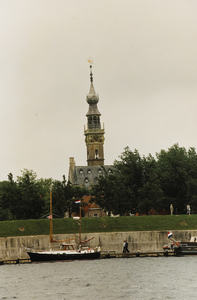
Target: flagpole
x=51 y=224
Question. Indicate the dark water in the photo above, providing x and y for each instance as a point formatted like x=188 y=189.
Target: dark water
x=132 y=278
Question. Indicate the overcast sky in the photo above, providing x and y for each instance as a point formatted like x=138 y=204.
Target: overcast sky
x=145 y=72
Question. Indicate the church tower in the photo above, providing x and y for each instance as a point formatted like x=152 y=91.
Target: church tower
x=94 y=135
x=94 y=138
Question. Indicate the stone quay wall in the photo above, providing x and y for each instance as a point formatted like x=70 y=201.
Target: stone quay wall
x=145 y=241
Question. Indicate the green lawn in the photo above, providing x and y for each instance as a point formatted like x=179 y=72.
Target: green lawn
x=140 y=223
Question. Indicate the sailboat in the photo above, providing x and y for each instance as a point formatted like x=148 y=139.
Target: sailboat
x=67 y=250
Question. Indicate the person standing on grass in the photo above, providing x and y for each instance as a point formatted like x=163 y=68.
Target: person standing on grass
x=188 y=209
x=171 y=209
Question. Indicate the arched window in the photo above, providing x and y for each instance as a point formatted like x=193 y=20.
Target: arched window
x=96 y=154
x=86 y=180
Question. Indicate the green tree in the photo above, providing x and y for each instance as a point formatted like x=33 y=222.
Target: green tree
x=192 y=180
x=172 y=171
x=64 y=196
x=109 y=193
x=31 y=193
x=131 y=170
x=58 y=199
x=9 y=199
x=150 y=194
x=44 y=186
x=68 y=196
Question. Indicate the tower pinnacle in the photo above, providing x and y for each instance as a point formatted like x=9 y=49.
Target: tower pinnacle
x=91 y=74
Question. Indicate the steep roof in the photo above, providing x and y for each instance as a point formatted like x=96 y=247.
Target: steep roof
x=88 y=175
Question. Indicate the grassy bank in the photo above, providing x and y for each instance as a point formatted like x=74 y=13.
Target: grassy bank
x=140 y=223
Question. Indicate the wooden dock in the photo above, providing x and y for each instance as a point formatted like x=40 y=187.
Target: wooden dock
x=114 y=254
x=104 y=255
x=15 y=261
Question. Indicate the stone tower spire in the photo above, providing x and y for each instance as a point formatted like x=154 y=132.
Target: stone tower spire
x=94 y=135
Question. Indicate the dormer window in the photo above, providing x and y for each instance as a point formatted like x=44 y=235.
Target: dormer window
x=81 y=171
x=89 y=171
x=86 y=180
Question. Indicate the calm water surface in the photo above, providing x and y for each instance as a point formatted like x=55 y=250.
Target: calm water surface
x=132 y=278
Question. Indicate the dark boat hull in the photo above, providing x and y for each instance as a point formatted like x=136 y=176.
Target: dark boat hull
x=186 y=248
x=35 y=257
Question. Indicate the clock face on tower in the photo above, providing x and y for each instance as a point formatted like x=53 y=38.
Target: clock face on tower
x=95 y=138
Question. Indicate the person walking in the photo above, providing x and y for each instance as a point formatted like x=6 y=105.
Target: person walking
x=125 y=247
x=171 y=209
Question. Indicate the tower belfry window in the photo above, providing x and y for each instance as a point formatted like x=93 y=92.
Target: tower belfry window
x=90 y=120
x=94 y=120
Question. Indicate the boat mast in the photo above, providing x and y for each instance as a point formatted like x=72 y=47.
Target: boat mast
x=80 y=225
x=51 y=220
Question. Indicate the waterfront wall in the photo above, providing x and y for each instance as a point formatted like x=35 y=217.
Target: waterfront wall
x=145 y=241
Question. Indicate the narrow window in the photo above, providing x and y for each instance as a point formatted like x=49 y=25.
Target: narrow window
x=90 y=120
x=96 y=154
x=94 y=120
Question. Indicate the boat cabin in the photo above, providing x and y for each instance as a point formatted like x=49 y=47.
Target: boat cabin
x=193 y=239
x=67 y=247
